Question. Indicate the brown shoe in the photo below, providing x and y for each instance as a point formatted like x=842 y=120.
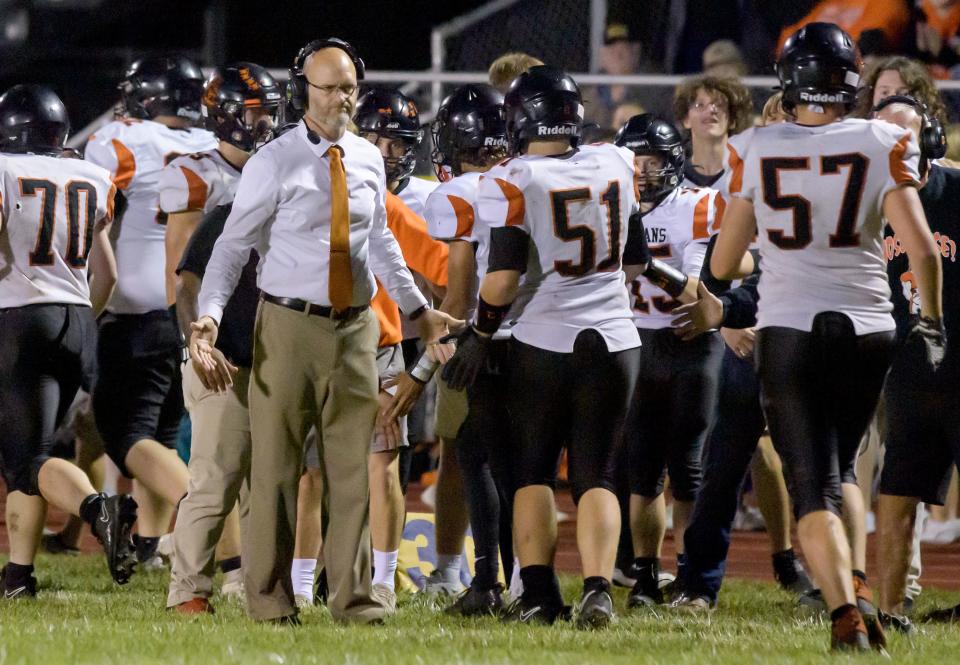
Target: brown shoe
x=871 y=619
x=849 y=633
x=194 y=606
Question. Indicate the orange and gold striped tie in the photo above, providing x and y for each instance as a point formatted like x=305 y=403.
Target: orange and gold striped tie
x=341 y=275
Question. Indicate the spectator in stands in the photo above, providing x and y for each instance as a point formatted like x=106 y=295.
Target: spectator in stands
x=898 y=75
x=624 y=112
x=723 y=59
x=878 y=26
x=773 y=111
x=711 y=109
x=936 y=35
x=620 y=55
x=508 y=67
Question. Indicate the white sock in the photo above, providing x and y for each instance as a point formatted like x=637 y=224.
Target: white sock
x=301 y=574
x=385 y=567
x=449 y=567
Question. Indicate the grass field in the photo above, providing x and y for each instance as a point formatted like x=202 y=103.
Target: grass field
x=81 y=617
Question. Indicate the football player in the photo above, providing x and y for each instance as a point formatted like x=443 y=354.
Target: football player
x=677 y=385
x=469 y=136
x=240 y=104
x=137 y=402
x=813 y=191
x=56 y=212
x=558 y=213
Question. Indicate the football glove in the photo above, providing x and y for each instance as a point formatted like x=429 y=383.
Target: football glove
x=471 y=357
x=930 y=333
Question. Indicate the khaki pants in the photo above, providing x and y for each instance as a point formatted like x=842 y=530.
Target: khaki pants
x=308 y=371
x=219 y=475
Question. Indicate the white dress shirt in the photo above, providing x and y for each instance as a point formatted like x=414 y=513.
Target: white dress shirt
x=282 y=209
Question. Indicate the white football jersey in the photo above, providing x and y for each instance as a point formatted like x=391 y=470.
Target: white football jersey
x=201 y=181
x=575 y=209
x=415 y=193
x=135 y=152
x=818 y=194
x=678 y=231
x=51 y=208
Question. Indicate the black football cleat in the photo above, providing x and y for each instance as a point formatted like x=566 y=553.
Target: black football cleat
x=645 y=595
x=526 y=610
x=112 y=528
x=28 y=589
x=476 y=602
x=945 y=615
x=322 y=591
x=897 y=622
x=595 y=610
x=53 y=543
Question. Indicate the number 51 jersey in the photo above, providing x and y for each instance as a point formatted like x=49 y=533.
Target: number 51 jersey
x=575 y=210
x=51 y=208
x=818 y=194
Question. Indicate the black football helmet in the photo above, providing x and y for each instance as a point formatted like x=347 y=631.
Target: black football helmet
x=162 y=85
x=391 y=114
x=819 y=64
x=32 y=120
x=470 y=126
x=543 y=103
x=646 y=134
x=229 y=92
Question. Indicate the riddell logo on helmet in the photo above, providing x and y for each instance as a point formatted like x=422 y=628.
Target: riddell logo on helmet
x=554 y=131
x=821 y=97
x=494 y=141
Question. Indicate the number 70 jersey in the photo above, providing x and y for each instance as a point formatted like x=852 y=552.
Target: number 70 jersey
x=818 y=195
x=52 y=206
x=575 y=210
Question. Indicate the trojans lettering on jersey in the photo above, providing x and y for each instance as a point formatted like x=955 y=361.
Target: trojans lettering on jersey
x=135 y=152
x=51 y=208
x=575 y=209
x=678 y=230
x=198 y=182
x=818 y=206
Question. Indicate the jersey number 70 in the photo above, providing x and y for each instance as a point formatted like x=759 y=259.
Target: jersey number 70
x=76 y=254
x=845 y=235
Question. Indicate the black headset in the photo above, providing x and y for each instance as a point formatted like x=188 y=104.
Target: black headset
x=297 y=81
x=932 y=139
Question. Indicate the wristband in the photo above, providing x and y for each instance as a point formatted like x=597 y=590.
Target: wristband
x=417 y=313
x=666 y=277
x=489 y=317
x=424 y=369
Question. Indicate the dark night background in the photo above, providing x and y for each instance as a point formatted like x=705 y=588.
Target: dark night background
x=82 y=53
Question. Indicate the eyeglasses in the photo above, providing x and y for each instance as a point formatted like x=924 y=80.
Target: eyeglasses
x=719 y=107
x=346 y=88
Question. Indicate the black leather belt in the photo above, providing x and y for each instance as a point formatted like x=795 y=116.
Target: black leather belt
x=315 y=310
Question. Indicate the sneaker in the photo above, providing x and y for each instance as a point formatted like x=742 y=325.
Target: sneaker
x=165 y=548
x=644 y=597
x=693 y=602
x=940 y=533
x=622 y=577
x=53 y=543
x=848 y=632
x=525 y=610
x=476 y=602
x=386 y=596
x=194 y=606
x=435 y=585
x=302 y=601
x=749 y=518
x=27 y=590
x=322 y=591
x=792 y=577
x=232 y=586
x=595 y=610
x=897 y=622
x=813 y=600
x=947 y=615
x=112 y=529
x=878 y=640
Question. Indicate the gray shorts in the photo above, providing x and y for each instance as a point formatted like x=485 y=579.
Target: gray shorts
x=389 y=365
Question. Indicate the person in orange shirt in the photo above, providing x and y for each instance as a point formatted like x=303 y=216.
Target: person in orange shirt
x=427 y=257
x=936 y=40
x=878 y=26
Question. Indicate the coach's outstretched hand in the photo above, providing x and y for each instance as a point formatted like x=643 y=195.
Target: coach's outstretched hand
x=434 y=324
x=471 y=356
x=212 y=367
x=698 y=317
x=933 y=336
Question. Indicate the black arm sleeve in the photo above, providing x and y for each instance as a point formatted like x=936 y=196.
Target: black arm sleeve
x=740 y=304
x=636 y=252
x=509 y=247
x=714 y=285
x=200 y=248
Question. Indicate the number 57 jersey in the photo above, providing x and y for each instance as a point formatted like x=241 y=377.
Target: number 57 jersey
x=51 y=208
x=818 y=194
x=575 y=210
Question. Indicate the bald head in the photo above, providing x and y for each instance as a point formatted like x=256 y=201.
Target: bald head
x=331 y=91
x=902 y=115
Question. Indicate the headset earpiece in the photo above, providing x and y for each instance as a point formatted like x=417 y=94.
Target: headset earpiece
x=297 y=82
x=933 y=138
